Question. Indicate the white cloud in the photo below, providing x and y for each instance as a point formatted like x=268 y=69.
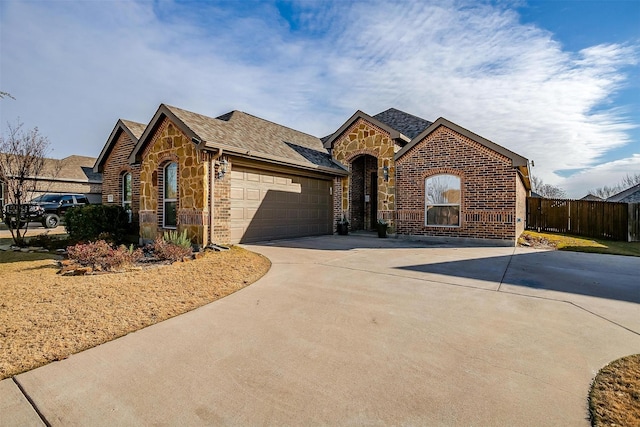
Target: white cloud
x=76 y=67
x=609 y=174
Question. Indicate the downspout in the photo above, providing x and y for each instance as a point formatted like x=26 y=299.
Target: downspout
x=212 y=172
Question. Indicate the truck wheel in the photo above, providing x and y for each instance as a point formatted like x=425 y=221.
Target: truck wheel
x=51 y=221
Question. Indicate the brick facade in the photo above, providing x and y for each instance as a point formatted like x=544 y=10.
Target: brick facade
x=222 y=204
x=491 y=198
x=115 y=166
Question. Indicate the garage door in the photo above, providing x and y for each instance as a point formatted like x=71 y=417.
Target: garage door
x=270 y=205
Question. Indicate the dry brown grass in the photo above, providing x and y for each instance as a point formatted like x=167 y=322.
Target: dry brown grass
x=46 y=317
x=615 y=394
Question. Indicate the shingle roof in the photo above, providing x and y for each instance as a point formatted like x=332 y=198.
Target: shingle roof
x=244 y=134
x=591 y=197
x=630 y=195
x=405 y=123
x=133 y=129
x=72 y=168
x=136 y=128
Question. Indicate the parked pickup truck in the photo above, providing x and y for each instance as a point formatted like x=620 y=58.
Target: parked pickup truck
x=46 y=209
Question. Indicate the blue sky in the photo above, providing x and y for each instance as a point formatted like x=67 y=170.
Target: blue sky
x=555 y=81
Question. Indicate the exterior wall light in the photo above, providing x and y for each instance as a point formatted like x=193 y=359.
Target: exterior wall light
x=222 y=168
x=385 y=173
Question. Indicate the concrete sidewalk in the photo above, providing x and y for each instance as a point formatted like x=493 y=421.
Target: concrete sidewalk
x=346 y=330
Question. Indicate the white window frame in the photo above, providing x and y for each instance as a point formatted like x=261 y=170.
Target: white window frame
x=428 y=205
x=166 y=200
x=127 y=204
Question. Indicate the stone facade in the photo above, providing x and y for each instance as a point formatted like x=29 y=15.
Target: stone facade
x=491 y=201
x=365 y=139
x=169 y=144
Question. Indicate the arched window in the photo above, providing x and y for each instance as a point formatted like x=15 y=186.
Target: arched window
x=442 y=202
x=170 y=196
x=127 y=193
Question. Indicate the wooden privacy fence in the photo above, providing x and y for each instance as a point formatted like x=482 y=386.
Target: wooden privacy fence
x=606 y=220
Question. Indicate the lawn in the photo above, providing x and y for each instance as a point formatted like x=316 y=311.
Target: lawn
x=46 y=317
x=579 y=244
x=615 y=394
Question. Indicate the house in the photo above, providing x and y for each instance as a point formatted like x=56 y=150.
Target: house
x=73 y=174
x=429 y=180
x=630 y=195
x=239 y=178
x=121 y=180
x=592 y=198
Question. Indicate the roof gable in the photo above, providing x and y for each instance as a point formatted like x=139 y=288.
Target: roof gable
x=133 y=129
x=631 y=195
x=517 y=161
x=244 y=135
x=405 y=123
x=329 y=140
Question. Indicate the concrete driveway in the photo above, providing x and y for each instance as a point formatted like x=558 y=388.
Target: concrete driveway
x=348 y=330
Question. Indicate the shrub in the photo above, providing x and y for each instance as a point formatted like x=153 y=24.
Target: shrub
x=93 y=222
x=100 y=255
x=165 y=250
x=177 y=239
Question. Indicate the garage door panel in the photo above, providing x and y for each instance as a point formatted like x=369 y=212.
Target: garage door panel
x=267 y=206
x=237 y=193
x=253 y=194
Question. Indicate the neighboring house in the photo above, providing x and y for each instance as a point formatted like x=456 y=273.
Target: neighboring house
x=239 y=178
x=630 y=195
x=592 y=198
x=73 y=174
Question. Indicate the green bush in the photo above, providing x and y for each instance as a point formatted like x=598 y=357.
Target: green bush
x=93 y=222
x=178 y=239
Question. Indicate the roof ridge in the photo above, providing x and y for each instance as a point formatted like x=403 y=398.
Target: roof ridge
x=276 y=124
x=403 y=112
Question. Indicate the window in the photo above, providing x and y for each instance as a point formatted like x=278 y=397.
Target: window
x=126 y=191
x=127 y=194
x=170 y=196
x=66 y=200
x=442 y=201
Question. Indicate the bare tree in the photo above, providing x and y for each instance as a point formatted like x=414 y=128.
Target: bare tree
x=546 y=190
x=22 y=161
x=607 y=191
x=5 y=95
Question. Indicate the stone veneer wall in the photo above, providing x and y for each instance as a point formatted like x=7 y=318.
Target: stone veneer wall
x=364 y=138
x=116 y=164
x=170 y=144
x=488 y=185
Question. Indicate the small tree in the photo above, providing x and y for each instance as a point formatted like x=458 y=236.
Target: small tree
x=607 y=191
x=22 y=161
x=546 y=190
